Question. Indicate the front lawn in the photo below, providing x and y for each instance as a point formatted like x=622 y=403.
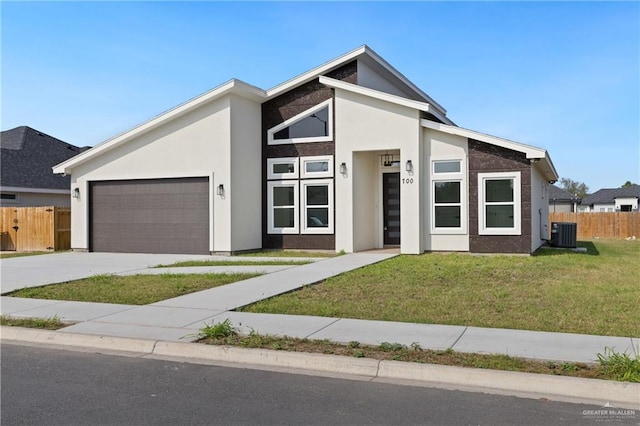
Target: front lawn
x=561 y=291
x=131 y=289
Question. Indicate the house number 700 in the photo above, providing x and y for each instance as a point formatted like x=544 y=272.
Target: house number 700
x=407 y=180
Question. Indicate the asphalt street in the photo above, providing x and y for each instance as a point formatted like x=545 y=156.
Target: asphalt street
x=55 y=387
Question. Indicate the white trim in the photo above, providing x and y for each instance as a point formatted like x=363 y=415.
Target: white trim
x=517 y=203
x=233 y=86
x=296 y=209
x=299 y=117
x=383 y=96
x=461 y=177
x=303 y=209
x=304 y=174
x=35 y=190
x=282 y=160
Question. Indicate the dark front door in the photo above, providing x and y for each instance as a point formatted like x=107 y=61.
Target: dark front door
x=391 y=203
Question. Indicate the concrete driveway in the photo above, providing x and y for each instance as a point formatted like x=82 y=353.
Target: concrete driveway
x=33 y=271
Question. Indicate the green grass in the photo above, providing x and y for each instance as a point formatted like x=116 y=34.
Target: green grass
x=225 y=334
x=51 y=323
x=555 y=290
x=289 y=253
x=6 y=255
x=130 y=290
x=234 y=263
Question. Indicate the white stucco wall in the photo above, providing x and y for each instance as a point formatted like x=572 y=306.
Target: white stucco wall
x=444 y=146
x=366 y=227
x=246 y=174
x=539 y=208
x=195 y=144
x=369 y=78
x=367 y=124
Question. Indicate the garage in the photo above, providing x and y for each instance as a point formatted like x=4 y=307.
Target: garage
x=150 y=216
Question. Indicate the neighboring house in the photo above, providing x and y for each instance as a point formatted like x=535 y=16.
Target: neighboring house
x=561 y=201
x=26 y=178
x=612 y=200
x=348 y=156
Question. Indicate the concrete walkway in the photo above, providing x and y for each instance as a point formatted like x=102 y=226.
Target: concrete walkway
x=180 y=318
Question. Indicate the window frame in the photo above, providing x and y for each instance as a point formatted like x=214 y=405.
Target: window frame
x=460 y=177
x=319 y=158
x=271 y=229
x=305 y=229
x=282 y=160
x=517 y=203
x=296 y=118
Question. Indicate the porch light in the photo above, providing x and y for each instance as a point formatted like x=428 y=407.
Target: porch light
x=76 y=193
x=409 y=166
x=343 y=168
x=220 y=190
x=386 y=159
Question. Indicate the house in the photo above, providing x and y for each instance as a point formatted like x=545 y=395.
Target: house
x=26 y=179
x=612 y=200
x=561 y=201
x=350 y=156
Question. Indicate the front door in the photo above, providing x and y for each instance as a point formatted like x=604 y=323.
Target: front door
x=391 y=208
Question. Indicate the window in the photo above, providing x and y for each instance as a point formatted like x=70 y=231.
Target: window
x=446 y=166
x=312 y=125
x=447 y=206
x=499 y=203
x=315 y=167
x=282 y=201
x=317 y=206
x=448 y=212
x=8 y=198
x=282 y=168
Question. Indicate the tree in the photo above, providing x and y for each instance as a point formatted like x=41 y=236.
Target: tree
x=577 y=189
x=627 y=184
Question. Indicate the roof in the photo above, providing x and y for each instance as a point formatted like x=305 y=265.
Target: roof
x=27 y=156
x=560 y=194
x=609 y=195
x=240 y=88
x=371 y=58
x=533 y=153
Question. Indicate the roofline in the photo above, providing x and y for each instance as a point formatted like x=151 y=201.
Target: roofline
x=531 y=152
x=349 y=56
x=32 y=190
x=236 y=86
x=398 y=100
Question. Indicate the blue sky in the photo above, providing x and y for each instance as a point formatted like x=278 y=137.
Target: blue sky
x=564 y=76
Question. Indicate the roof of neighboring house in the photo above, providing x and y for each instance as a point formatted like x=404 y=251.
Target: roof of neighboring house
x=560 y=194
x=27 y=156
x=608 y=195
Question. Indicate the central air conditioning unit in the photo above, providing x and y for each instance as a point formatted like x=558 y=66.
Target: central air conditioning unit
x=563 y=234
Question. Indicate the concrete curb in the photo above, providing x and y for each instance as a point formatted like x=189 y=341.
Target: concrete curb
x=571 y=389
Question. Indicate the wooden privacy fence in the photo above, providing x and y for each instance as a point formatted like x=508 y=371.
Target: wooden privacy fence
x=35 y=228
x=602 y=225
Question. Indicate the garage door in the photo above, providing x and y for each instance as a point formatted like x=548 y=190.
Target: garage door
x=150 y=216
